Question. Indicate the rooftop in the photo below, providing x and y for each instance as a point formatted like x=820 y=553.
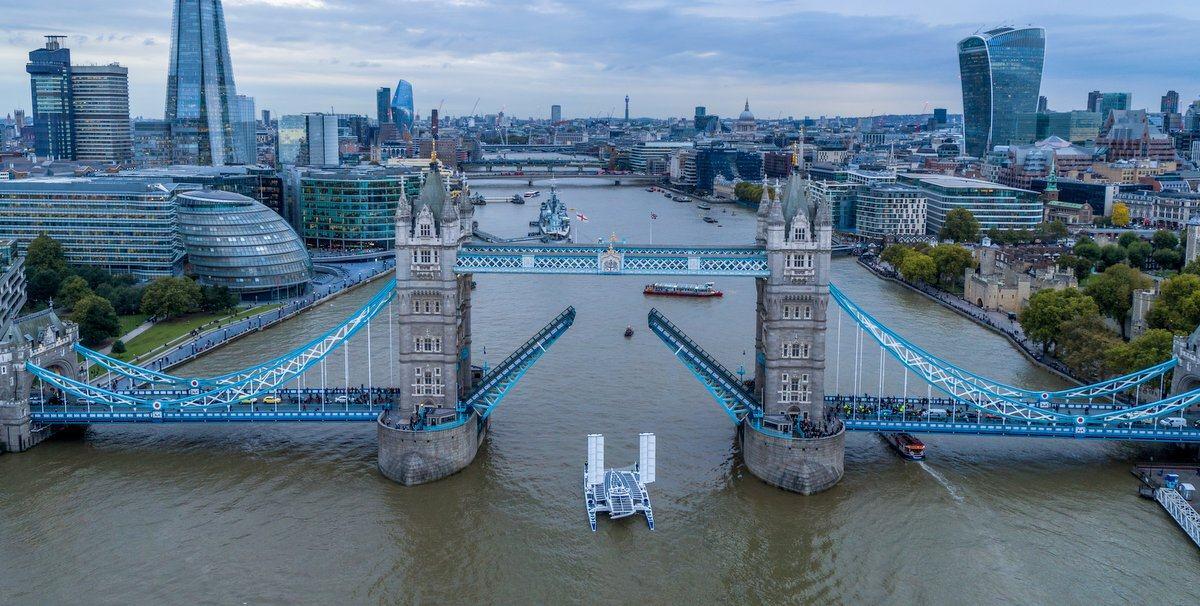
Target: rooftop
x=958 y=182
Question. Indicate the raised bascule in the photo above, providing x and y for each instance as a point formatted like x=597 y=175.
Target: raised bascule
x=434 y=408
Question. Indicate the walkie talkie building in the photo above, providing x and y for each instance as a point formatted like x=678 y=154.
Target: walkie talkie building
x=1001 y=79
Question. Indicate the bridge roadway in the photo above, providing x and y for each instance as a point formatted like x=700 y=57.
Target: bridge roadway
x=911 y=415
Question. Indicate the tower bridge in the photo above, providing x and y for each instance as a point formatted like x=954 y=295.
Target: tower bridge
x=435 y=407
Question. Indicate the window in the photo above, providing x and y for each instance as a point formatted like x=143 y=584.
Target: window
x=796 y=349
x=807 y=315
x=427 y=344
x=797 y=262
x=426 y=256
x=799 y=232
x=426 y=305
x=425 y=230
x=427 y=381
x=794 y=388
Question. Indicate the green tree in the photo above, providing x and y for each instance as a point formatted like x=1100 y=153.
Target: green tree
x=1120 y=214
x=1152 y=347
x=1177 y=307
x=217 y=298
x=918 y=267
x=1113 y=291
x=71 y=291
x=747 y=192
x=1081 y=266
x=41 y=284
x=171 y=297
x=1139 y=253
x=1110 y=254
x=45 y=252
x=1048 y=309
x=1084 y=342
x=1128 y=238
x=118 y=347
x=127 y=300
x=894 y=254
x=97 y=320
x=1164 y=239
x=1088 y=249
x=1167 y=258
x=960 y=226
x=1053 y=230
x=952 y=261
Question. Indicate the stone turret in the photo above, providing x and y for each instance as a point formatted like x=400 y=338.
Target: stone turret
x=794 y=446
x=425 y=436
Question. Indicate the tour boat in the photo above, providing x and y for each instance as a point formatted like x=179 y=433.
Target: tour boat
x=709 y=220
x=682 y=290
x=533 y=193
x=703 y=206
x=906 y=444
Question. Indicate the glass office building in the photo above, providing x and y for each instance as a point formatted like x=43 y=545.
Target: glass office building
x=49 y=71
x=1001 y=73
x=402 y=107
x=201 y=97
x=233 y=241
x=125 y=227
x=100 y=98
x=994 y=206
x=354 y=209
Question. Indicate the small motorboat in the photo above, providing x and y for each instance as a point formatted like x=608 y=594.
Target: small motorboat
x=709 y=220
x=629 y=332
x=704 y=206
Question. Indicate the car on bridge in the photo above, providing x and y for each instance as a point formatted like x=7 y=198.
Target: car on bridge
x=272 y=400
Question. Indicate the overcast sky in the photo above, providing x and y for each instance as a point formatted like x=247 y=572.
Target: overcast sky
x=853 y=57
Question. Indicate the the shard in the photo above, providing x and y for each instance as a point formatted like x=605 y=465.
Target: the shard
x=201 y=98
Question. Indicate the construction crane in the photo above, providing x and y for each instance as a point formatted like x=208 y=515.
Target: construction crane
x=476 y=106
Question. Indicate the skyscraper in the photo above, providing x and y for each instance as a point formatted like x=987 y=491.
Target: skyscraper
x=245 y=131
x=1170 y=103
x=49 y=71
x=100 y=102
x=383 y=109
x=200 y=90
x=556 y=113
x=1001 y=73
x=1103 y=103
x=402 y=108
x=627 y=108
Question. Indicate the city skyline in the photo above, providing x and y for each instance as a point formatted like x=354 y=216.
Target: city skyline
x=712 y=54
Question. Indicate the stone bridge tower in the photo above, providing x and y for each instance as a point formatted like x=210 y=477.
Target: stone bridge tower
x=41 y=338
x=795 y=447
x=423 y=437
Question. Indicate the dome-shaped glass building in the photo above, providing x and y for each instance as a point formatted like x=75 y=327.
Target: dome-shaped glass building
x=235 y=241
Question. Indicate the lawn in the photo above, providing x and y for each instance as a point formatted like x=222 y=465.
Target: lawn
x=166 y=332
x=131 y=322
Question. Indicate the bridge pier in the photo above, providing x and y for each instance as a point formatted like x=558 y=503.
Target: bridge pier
x=16 y=427
x=803 y=465
x=413 y=457
x=795 y=445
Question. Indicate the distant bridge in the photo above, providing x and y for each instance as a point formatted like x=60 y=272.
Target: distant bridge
x=529 y=177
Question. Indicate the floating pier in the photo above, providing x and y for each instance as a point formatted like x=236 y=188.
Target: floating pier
x=619 y=492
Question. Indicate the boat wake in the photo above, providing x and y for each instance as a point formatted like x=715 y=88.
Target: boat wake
x=941 y=479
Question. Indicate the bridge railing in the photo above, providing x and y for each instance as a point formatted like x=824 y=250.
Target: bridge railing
x=495 y=383
x=706 y=364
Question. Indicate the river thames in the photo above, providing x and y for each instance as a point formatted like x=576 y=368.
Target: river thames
x=278 y=514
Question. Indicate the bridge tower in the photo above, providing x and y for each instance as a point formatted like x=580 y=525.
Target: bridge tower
x=425 y=437
x=41 y=338
x=795 y=445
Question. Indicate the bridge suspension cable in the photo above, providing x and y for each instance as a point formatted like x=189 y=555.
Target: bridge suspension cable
x=249 y=386
x=1094 y=390
x=940 y=374
x=140 y=373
